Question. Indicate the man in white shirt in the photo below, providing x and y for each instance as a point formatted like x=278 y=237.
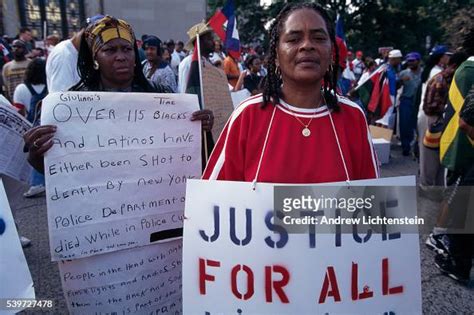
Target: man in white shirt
x=61 y=66
x=175 y=56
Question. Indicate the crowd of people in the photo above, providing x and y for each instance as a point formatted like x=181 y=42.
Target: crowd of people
x=303 y=97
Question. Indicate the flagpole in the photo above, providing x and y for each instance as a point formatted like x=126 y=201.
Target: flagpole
x=201 y=88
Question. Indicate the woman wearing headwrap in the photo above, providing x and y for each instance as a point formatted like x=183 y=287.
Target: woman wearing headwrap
x=108 y=61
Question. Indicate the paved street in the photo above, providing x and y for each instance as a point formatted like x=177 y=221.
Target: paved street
x=441 y=295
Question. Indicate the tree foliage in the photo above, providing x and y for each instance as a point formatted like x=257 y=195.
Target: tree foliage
x=409 y=25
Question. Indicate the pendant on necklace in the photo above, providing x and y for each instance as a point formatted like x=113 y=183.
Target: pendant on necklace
x=306 y=132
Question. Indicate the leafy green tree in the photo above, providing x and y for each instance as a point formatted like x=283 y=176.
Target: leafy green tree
x=408 y=25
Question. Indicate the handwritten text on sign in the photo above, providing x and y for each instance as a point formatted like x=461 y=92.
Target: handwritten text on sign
x=144 y=280
x=236 y=260
x=116 y=174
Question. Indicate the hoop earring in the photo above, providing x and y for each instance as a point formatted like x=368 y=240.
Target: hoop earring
x=278 y=72
x=330 y=69
x=95 y=65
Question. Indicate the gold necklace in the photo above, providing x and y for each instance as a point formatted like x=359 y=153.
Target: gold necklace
x=306 y=132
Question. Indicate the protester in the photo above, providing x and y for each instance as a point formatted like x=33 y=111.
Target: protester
x=206 y=36
x=179 y=50
x=394 y=60
x=177 y=55
x=155 y=68
x=13 y=72
x=289 y=148
x=263 y=68
x=218 y=54
x=27 y=97
x=457 y=155
x=370 y=66
x=434 y=103
x=34 y=85
x=5 y=56
x=173 y=59
x=253 y=79
x=410 y=79
x=51 y=42
x=359 y=65
x=166 y=56
x=27 y=37
x=105 y=63
x=437 y=61
x=231 y=69
x=61 y=66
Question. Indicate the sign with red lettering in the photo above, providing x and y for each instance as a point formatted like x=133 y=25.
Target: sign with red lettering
x=237 y=260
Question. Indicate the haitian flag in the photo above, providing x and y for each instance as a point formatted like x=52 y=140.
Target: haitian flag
x=374 y=92
x=224 y=24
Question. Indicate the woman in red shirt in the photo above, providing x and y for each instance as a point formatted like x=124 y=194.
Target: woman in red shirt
x=298 y=130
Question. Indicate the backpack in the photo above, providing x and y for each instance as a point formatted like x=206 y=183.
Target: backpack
x=34 y=110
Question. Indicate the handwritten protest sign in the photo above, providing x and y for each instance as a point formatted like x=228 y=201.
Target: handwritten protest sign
x=144 y=280
x=12 y=158
x=116 y=174
x=236 y=260
x=17 y=284
x=216 y=96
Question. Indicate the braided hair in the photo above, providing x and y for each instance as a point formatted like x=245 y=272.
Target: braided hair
x=272 y=82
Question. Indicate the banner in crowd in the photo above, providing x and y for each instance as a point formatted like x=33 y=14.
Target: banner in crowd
x=144 y=280
x=15 y=277
x=237 y=260
x=116 y=174
x=12 y=156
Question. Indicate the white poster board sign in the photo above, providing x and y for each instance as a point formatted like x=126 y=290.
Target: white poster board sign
x=236 y=261
x=144 y=280
x=116 y=174
x=15 y=277
x=12 y=158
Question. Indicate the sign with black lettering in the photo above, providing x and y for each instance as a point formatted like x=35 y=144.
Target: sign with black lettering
x=238 y=260
x=144 y=280
x=116 y=174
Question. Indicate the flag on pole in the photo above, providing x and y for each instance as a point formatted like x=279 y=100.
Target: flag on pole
x=224 y=23
x=374 y=92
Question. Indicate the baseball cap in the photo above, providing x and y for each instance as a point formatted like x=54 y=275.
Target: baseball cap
x=413 y=56
x=439 y=50
x=395 y=53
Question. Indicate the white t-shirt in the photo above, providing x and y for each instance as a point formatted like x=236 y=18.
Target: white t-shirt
x=175 y=61
x=183 y=70
x=61 y=67
x=22 y=95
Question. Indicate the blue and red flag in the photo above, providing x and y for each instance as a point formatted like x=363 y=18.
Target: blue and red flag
x=224 y=24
